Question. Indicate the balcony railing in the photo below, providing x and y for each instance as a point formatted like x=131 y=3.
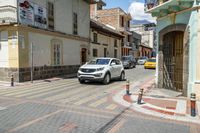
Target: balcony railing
x=160 y=8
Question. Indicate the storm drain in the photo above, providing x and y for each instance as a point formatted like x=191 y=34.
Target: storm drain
x=157 y=96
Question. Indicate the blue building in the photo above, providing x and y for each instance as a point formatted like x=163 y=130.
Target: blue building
x=178 y=52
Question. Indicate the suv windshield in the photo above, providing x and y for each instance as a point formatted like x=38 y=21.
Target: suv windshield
x=99 y=62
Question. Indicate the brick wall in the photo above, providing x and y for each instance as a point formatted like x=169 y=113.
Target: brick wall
x=110 y=17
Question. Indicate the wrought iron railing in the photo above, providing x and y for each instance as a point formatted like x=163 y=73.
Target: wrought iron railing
x=153 y=3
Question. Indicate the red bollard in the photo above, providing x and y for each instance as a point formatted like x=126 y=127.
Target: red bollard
x=193 y=104
x=140 y=96
x=127 y=87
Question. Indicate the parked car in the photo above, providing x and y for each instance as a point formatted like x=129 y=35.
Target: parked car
x=101 y=69
x=142 y=60
x=150 y=63
x=128 y=61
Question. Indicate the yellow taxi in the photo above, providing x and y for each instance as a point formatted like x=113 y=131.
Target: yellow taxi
x=150 y=63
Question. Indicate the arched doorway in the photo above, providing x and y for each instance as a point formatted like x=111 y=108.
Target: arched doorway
x=173 y=60
x=83 y=55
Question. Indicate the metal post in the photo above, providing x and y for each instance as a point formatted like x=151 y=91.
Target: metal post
x=127 y=87
x=193 y=104
x=140 y=96
x=32 y=69
x=12 y=80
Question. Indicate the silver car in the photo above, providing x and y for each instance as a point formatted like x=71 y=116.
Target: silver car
x=101 y=69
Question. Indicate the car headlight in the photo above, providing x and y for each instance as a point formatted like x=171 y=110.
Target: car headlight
x=100 y=69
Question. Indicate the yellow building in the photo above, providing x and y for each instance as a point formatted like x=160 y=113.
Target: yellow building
x=56 y=30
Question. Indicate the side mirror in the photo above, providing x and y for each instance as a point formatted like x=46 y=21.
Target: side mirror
x=112 y=64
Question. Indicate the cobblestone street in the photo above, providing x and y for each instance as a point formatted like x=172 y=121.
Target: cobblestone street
x=64 y=105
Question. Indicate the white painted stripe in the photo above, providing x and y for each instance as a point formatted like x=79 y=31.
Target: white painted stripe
x=20 y=93
x=181 y=106
x=68 y=94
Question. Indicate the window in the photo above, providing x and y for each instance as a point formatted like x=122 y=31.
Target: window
x=128 y=24
x=50 y=15
x=105 y=52
x=95 y=53
x=95 y=38
x=75 y=23
x=115 y=43
x=56 y=54
x=122 y=21
x=115 y=53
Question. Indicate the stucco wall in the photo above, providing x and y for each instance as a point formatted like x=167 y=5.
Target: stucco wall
x=4 y=49
x=42 y=49
x=105 y=42
x=64 y=15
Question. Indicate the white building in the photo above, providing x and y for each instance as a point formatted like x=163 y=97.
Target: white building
x=58 y=30
x=147 y=38
x=105 y=41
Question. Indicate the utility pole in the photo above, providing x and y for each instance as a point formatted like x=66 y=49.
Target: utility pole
x=32 y=68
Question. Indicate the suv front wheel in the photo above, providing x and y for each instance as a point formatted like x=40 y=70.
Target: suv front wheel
x=106 y=79
x=122 y=76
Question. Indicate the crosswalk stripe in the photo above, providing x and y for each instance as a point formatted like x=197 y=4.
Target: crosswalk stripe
x=64 y=95
x=54 y=91
x=33 y=86
x=38 y=93
x=82 y=101
x=111 y=107
x=77 y=96
x=87 y=99
x=34 y=89
x=98 y=102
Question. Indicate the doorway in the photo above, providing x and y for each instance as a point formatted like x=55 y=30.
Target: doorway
x=83 y=55
x=173 y=60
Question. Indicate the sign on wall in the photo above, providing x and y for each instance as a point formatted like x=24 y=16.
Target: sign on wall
x=32 y=14
x=40 y=14
x=26 y=12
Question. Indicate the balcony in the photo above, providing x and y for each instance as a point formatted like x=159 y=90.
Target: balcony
x=161 y=8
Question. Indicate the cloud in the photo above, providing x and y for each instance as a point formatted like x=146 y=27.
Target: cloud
x=136 y=9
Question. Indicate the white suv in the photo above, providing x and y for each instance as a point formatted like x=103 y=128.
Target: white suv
x=101 y=69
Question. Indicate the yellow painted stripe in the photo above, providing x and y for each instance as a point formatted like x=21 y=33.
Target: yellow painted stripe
x=33 y=89
x=65 y=95
x=85 y=100
x=33 y=86
x=77 y=96
x=111 y=107
x=98 y=102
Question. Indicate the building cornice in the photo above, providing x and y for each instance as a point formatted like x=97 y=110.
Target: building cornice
x=51 y=33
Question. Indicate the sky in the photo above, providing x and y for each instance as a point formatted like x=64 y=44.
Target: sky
x=134 y=7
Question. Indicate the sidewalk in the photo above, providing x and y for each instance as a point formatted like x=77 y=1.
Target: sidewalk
x=160 y=103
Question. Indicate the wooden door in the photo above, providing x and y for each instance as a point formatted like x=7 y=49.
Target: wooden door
x=83 y=55
x=173 y=60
